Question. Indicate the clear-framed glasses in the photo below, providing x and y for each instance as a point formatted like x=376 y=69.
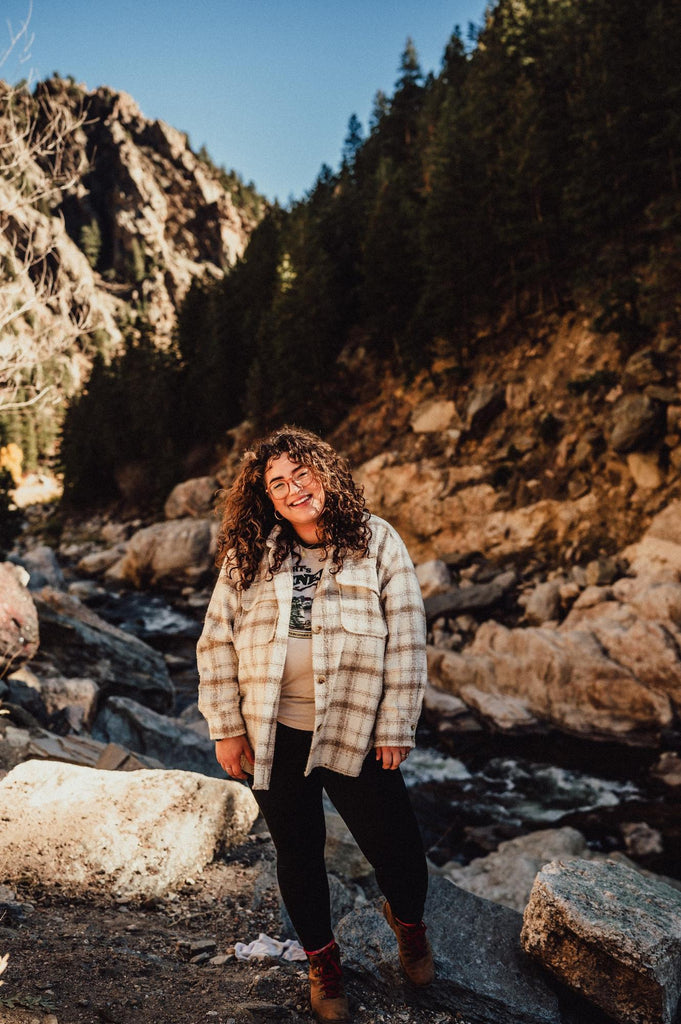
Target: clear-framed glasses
x=301 y=478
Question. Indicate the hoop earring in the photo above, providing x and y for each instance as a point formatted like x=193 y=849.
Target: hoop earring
x=277 y=516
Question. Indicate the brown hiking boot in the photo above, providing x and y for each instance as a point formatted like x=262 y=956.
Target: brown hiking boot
x=414 y=949
x=327 y=993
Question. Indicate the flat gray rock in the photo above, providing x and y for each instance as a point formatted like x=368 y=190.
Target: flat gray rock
x=482 y=972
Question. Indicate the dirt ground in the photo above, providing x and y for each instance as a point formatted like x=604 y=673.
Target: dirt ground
x=169 y=961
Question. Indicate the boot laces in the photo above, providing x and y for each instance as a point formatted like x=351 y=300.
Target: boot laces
x=329 y=972
x=413 y=943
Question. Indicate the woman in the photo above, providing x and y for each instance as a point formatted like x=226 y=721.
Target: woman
x=312 y=672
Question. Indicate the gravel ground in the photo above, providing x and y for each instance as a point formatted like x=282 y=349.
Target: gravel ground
x=170 y=961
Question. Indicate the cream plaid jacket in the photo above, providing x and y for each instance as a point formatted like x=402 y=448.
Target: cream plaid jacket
x=368 y=656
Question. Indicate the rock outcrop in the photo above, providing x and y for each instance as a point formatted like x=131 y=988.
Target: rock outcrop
x=611 y=669
x=105 y=211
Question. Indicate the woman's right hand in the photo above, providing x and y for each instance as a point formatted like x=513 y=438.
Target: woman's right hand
x=229 y=752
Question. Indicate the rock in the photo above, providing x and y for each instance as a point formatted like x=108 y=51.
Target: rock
x=645 y=470
x=43 y=568
x=59 y=693
x=118 y=662
x=97 y=562
x=19 y=637
x=543 y=604
x=637 y=423
x=633 y=637
x=642 y=368
x=667 y=524
x=477 y=597
x=565 y=677
x=481 y=970
x=436 y=515
x=125 y=833
x=434 y=417
x=610 y=934
x=175 y=745
x=611 y=669
x=640 y=840
x=433 y=577
x=668 y=769
x=178 y=552
x=85 y=590
x=485 y=404
x=601 y=572
x=18 y=745
x=195 y=498
x=444 y=705
x=654 y=558
x=506 y=876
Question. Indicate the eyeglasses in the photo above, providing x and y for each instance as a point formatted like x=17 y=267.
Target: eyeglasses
x=282 y=488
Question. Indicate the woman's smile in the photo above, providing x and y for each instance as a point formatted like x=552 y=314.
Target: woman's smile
x=302 y=496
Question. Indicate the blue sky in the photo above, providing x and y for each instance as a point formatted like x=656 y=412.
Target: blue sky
x=267 y=85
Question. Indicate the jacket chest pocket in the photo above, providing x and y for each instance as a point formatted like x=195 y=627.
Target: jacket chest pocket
x=257 y=619
x=360 y=601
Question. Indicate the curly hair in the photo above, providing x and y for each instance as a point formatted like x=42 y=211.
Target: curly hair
x=247 y=513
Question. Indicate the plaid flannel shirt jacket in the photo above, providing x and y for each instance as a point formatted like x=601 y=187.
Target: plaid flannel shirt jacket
x=368 y=656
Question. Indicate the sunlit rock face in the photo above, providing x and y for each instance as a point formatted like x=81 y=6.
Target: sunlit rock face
x=135 y=833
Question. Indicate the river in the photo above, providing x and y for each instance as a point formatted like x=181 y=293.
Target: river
x=472 y=788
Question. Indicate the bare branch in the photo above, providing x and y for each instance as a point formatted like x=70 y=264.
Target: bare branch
x=41 y=314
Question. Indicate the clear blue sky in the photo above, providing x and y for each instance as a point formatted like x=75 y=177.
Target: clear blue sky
x=267 y=85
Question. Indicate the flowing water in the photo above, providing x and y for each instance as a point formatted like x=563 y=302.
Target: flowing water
x=473 y=789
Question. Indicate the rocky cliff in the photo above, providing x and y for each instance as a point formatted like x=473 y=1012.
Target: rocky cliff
x=106 y=215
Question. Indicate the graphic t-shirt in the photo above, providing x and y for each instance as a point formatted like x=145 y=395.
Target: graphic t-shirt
x=296 y=704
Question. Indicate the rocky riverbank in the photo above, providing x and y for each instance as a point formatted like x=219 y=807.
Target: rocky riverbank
x=96 y=864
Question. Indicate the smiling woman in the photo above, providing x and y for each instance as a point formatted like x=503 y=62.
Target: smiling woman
x=298 y=496
x=312 y=672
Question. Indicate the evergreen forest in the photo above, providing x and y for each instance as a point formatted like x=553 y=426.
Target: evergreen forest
x=541 y=164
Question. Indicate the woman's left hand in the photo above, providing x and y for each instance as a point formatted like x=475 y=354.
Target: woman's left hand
x=392 y=757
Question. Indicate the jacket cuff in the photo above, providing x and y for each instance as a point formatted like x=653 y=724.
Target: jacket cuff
x=395 y=733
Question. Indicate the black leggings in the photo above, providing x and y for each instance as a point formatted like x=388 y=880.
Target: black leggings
x=375 y=807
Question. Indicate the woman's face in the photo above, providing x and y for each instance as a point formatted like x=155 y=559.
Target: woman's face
x=296 y=493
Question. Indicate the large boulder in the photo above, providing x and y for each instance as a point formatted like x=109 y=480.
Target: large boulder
x=137 y=833
x=76 y=639
x=19 y=635
x=610 y=934
x=480 y=968
x=194 y=498
x=179 y=552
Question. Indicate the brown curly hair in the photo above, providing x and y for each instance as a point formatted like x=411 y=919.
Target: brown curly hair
x=248 y=513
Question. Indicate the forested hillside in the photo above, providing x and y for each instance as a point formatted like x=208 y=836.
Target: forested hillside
x=536 y=173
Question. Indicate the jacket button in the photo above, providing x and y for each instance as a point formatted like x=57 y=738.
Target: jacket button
x=316 y=628
x=321 y=681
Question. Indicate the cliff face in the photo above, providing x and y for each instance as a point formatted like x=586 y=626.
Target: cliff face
x=104 y=215
x=160 y=214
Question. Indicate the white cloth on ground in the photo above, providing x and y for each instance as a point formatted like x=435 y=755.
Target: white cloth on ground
x=263 y=946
